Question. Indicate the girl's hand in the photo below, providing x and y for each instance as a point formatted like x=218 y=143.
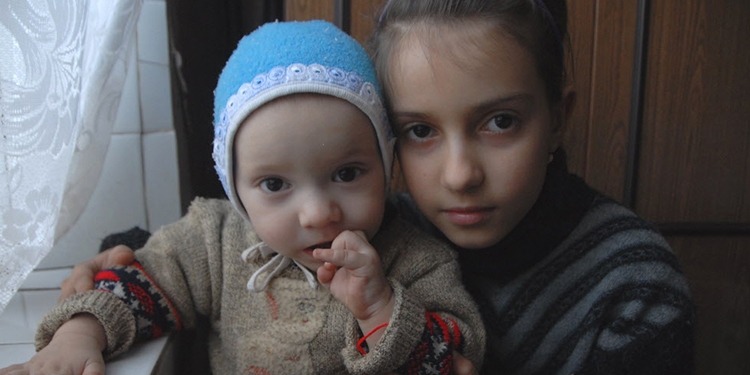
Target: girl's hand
x=76 y=349
x=82 y=277
x=463 y=366
x=353 y=273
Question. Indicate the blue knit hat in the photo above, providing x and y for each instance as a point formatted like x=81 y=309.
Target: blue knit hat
x=284 y=58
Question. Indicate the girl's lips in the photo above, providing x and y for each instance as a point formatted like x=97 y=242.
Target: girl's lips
x=467 y=216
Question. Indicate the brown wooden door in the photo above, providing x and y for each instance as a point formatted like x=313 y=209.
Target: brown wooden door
x=694 y=164
x=663 y=126
x=662 y=123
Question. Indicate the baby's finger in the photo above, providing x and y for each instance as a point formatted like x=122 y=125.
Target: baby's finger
x=326 y=273
x=350 y=240
x=13 y=369
x=346 y=258
x=361 y=234
x=354 y=240
x=94 y=368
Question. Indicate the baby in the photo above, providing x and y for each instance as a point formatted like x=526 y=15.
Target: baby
x=304 y=151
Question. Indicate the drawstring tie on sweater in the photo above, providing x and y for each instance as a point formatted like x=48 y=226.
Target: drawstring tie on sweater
x=278 y=263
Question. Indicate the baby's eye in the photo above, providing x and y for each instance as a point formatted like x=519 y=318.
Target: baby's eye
x=502 y=123
x=419 y=132
x=273 y=185
x=347 y=174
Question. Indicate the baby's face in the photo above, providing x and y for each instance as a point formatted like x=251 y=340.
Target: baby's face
x=307 y=168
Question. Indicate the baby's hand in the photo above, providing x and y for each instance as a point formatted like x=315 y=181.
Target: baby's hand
x=73 y=351
x=355 y=277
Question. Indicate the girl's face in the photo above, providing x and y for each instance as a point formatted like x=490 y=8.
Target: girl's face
x=307 y=168
x=474 y=126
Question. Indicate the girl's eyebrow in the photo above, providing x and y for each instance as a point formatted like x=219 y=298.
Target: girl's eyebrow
x=519 y=99
x=524 y=99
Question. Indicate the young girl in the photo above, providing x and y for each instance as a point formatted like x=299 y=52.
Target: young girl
x=303 y=150
x=568 y=281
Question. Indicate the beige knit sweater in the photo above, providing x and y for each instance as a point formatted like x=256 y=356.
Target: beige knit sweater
x=289 y=328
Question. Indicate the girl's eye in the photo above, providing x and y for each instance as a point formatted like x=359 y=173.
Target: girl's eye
x=419 y=132
x=347 y=174
x=502 y=123
x=273 y=185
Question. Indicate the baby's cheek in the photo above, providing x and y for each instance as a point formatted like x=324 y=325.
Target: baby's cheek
x=370 y=216
x=273 y=231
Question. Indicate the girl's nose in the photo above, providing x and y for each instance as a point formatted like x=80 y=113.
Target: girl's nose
x=319 y=211
x=462 y=169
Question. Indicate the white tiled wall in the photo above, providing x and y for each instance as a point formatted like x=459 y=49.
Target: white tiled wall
x=138 y=185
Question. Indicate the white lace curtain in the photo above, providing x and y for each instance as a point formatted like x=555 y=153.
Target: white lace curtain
x=62 y=70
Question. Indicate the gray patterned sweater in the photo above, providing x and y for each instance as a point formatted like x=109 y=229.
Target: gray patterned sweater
x=580 y=286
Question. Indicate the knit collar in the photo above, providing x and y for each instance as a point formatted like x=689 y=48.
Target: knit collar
x=562 y=203
x=272 y=268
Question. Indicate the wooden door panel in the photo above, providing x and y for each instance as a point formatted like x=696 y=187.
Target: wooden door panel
x=304 y=10
x=695 y=160
x=362 y=14
x=610 y=85
x=718 y=269
x=581 y=26
x=364 y=17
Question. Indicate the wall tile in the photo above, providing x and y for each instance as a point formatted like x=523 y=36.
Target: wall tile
x=152 y=33
x=156 y=100
x=13 y=323
x=116 y=204
x=38 y=303
x=128 y=118
x=12 y=354
x=162 y=178
x=45 y=279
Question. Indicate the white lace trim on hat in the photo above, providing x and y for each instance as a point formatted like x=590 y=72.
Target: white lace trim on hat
x=280 y=75
x=278 y=263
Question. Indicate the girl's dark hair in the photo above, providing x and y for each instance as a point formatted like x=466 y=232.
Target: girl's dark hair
x=541 y=26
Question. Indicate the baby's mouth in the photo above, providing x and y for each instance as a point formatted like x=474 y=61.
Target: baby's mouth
x=323 y=245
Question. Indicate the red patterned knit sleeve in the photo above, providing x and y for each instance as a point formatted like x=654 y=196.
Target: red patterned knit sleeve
x=434 y=353
x=153 y=312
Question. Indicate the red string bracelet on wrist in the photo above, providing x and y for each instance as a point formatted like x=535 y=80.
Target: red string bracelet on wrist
x=362 y=340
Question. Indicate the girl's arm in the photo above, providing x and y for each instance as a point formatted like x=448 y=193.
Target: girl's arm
x=659 y=340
